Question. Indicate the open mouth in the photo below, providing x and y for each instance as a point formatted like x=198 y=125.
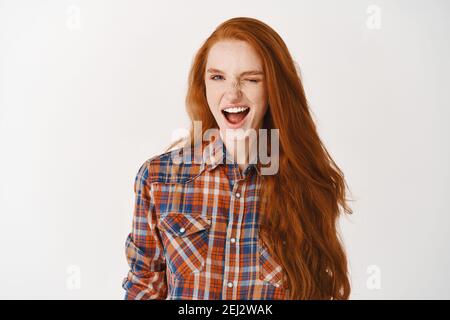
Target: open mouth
x=236 y=115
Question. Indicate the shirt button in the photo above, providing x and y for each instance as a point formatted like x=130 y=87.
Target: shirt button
x=182 y=230
x=233 y=240
x=238 y=195
x=230 y=284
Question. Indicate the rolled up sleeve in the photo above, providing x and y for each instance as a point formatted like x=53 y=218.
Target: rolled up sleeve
x=146 y=278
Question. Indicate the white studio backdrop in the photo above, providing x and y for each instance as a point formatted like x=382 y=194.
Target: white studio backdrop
x=91 y=89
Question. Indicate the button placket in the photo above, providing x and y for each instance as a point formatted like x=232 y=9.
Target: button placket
x=235 y=219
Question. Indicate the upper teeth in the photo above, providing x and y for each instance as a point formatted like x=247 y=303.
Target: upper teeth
x=235 y=109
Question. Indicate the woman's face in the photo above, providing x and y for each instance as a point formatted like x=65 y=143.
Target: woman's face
x=235 y=86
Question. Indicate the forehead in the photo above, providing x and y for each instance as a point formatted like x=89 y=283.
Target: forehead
x=233 y=55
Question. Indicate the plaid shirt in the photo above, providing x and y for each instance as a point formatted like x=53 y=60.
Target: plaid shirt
x=195 y=232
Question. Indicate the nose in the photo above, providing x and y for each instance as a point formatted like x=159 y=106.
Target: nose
x=234 y=91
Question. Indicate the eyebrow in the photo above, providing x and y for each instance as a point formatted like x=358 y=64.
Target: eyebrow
x=245 y=73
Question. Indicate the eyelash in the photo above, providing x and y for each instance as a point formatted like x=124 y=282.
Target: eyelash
x=251 y=80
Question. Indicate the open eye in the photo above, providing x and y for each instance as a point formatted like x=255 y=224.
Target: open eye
x=214 y=77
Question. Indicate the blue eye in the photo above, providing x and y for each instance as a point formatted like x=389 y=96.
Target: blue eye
x=213 y=77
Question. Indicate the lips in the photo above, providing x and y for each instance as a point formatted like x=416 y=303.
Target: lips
x=235 y=116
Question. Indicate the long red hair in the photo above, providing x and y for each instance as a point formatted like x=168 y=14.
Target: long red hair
x=303 y=201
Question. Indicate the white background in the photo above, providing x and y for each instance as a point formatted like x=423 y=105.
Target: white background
x=91 y=89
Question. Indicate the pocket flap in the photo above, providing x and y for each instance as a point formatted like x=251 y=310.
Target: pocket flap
x=180 y=224
x=271 y=271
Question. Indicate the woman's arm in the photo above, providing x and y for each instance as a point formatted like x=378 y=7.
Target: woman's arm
x=146 y=278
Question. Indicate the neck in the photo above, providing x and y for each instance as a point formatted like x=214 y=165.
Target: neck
x=239 y=149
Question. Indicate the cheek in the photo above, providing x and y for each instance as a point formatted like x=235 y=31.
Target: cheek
x=256 y=93
x=212 y=88
x=258 y=98
x=212 y=98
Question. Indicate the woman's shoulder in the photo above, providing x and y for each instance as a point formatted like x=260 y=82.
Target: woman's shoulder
x=173 y=166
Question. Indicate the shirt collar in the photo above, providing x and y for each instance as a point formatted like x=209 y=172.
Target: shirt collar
x=215 y=154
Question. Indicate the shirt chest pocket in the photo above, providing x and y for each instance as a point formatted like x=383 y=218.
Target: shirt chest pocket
x=270 y=271
x=185 y=240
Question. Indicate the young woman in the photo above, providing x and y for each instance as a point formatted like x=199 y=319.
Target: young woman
x=218 y=228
